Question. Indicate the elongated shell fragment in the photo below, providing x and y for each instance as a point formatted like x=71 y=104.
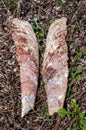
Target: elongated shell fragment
x=27 y=51
x=55 y=66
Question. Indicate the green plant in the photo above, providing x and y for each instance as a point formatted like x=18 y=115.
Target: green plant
x=16 y=1
x=11 y=4
x=50 y=21
x=79 y=55
x=42 y=82
x=34 y=21
x=40 y=48
x=74 y=73
x=74 y=46
x=81 y=18
x=60 y=2
x=38 y=27
x=69 y=88
x=46 y=112
x=62 y=112
x=76 y=114
x=71 y=30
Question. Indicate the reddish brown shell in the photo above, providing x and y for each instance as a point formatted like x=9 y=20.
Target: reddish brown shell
x=27 y=52
x=55 y=66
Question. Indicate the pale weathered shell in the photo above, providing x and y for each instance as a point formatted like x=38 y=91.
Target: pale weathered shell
x=27 y=51
x=55 y=66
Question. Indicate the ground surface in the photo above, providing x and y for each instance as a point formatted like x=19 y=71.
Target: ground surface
x=41 y=13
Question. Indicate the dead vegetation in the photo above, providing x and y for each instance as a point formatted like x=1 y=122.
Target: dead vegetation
x=41 y=13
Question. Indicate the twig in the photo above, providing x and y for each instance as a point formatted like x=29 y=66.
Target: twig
x=5 y=110
x=18 y=10
x=74 y=15
x=78 y=98
x=41 y=8
x=6 y=7
x=79 y=28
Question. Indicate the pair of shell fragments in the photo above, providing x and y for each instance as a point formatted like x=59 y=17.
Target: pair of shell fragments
x=55 y=66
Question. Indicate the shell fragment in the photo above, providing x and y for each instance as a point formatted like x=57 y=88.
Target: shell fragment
x=55 y=66
x=27 y=52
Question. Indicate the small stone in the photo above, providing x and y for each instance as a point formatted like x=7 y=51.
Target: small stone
x=37 y=1
x=27 y=52
x=55 y=66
